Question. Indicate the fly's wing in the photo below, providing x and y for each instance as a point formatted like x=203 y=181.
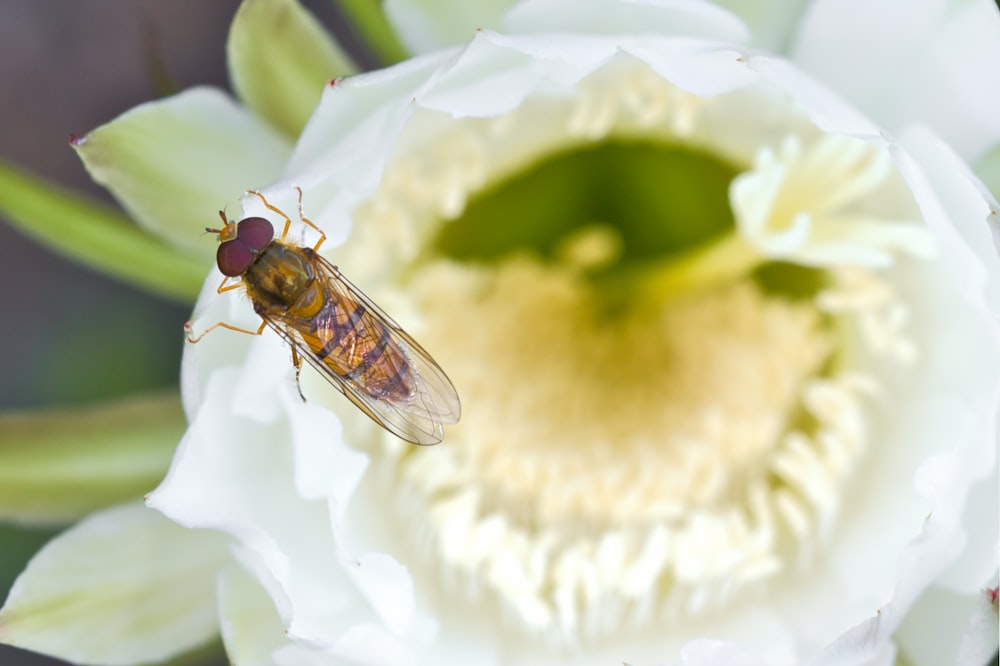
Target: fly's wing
x=432 y=401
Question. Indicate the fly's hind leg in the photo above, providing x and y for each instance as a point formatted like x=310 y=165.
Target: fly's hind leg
x=297 y=362
x=189 y=330
x=306 y=220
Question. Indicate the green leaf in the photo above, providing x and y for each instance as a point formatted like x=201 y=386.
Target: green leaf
x=280 y=59
x=19 y=545
x=369 y=20
x=59 y=465
x=174 y=162
x=124 y=586
x=98 y=236
x=249 y=631
x=428 y=25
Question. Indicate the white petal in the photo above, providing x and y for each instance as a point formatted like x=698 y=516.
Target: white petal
x=358 y=116
x=945 y=445
x=689 y=18
x=905 y=61
x=826 y=108
x=716 y=653
x=933 y=630
x=123 y=586
x=366 y=643
x=959 y=211
x=979 y=642
x=254 y=481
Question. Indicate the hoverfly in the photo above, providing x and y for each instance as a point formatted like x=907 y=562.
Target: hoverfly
x=330 y=323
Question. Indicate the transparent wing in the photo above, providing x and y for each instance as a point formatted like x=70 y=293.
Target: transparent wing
x=431 y=401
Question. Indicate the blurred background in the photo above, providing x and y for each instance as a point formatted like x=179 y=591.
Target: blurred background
x=68 y=335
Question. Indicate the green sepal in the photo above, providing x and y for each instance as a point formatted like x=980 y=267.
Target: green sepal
x=123 y=586
x=280 y=59
x=173 y=163
x=57 y=466
x=98 y=236
x=369 y=20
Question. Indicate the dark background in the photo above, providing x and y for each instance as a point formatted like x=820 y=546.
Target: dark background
x=68 y=335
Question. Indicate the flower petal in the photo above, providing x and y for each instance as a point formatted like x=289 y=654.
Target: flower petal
x=230 y=475
x=952 y=442
x=60 y=465
x=979 y=641
x=692 y=18
x=96 y=235
x=960 y=212
x=911 y=61
x=933 y=630
x=173 y=162
x=122 y=587
x=280 y=58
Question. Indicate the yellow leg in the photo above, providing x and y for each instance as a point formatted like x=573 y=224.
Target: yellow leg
x=297 y=362
x=267 y=204
x=288 y=221
x=188 y=333
x=306 y=220
x=223 y=288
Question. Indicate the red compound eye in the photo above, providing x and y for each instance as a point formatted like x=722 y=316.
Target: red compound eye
x=255 y=233
x=235 y=256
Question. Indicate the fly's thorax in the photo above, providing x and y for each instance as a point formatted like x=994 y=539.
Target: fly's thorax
x=279 y=276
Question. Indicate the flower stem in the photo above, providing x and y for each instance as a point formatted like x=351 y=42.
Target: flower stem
x=720 y=261
x=715 y=263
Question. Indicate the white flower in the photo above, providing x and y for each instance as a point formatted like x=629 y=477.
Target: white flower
x=726 y=345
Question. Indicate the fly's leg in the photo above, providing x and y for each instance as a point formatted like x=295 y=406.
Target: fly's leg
x=288 y=221
x=297 y=362
x=275 y=209
x=223 y=288
x=306 y=220
x=189 y=332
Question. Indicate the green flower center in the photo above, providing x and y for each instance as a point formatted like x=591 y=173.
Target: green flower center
x=660 y=201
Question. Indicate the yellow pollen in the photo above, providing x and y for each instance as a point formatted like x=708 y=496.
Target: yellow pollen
x=661 y=454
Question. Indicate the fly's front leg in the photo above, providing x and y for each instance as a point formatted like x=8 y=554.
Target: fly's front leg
x=274 y=209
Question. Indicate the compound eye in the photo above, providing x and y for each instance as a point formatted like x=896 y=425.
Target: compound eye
x=255 y=233
x=234 y=258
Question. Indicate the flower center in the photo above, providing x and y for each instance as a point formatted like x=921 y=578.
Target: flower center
x=655 y=416
x=661 y=457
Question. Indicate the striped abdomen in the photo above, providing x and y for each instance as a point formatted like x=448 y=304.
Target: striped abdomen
x=354 y=344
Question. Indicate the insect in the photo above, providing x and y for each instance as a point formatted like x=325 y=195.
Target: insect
x=330 y=323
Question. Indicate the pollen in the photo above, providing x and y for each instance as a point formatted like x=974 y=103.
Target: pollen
x=614 y=464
